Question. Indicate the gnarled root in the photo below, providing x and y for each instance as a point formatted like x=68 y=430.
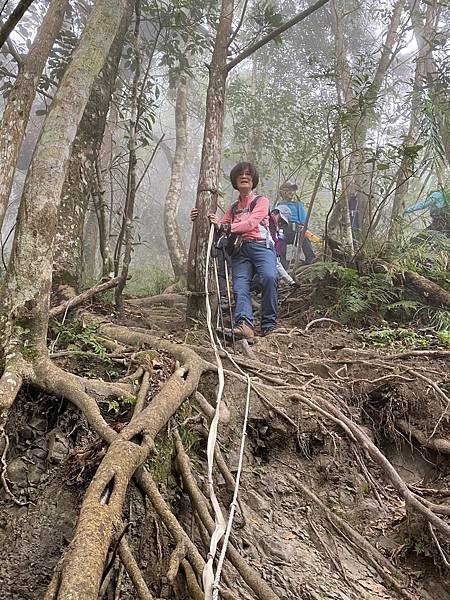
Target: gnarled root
x=199 y=503
x=356 y=433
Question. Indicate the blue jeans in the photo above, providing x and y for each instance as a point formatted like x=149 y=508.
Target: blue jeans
x=255 y=258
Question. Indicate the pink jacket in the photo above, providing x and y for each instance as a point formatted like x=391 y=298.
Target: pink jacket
x=252 y=225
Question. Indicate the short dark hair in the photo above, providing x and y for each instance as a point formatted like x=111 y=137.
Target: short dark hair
x=239 y=169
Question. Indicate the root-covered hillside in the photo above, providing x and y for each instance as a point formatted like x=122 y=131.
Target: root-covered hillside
x=344 y=486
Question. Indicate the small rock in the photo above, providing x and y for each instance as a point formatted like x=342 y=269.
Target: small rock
x=257 y=502
x=17 y=472
x=37 y=453
x=28 y=433
x=58 y=447
x=34 y=474
x=277 y=550
x=38 y=424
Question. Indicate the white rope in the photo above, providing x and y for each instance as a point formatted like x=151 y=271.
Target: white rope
x=238 y=477
x=211 y=583
x=220 y=528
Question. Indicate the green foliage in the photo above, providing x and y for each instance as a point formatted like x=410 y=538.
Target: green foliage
x=118 y=406
x=360 y=299
x=149 y=281
x=160 y=464
x=402 y=338
x=79 y=337
x=351 y=297
x=428 y=253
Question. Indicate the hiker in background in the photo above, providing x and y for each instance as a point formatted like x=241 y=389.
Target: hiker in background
x=247 y=222
x=280 y=218
x=298 y=219
x=438 y=203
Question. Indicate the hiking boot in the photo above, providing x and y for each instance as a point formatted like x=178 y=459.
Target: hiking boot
x=241 y=331
x=273 y=330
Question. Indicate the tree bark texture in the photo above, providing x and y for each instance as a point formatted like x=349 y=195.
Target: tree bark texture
x=433 y=292
x=177 y=251
x=81 y=178
x=90 y=245
x=26 y=289
x=20 y=99
x=208 y=182
x=101 y=210
x=339 y=223
x=126 y=232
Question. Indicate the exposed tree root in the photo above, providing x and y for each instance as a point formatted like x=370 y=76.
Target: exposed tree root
x=357 y=433
x=168 y=300
x=80 y=571
x=76 y=300
x=15 y=372
x=148 y=486
x=393 y=578
x=437 y=444
x=194 y=589
x=103 y=501
x=133 y=570
x=199 y=503
x=53 y=380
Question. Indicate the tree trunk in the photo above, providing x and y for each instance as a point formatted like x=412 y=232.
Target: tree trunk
x=126 y=232
x=339 y=224
x=177 y=251
x=360 y=181
x=13 y=19
x=21 y=97
x=101 y=207
x=25 y=293
x=358 y=166
x=90 y=246
x=406 y=167
x=434 y=293
x=439 y=95
x=81 y=178
x=208 y=182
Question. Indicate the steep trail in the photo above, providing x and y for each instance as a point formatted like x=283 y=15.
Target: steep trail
x=318 y=517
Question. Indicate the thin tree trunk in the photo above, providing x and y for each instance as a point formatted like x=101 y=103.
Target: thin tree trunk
x=177 y=251
x=25 y=293
x=358 y=181
x=406 y=167
x=90 y=246
x=126 y=232
x=208 y=183
x=81 y=178
x=317 y=183
x=424 y=31
x=100 y=206
x=20 y=99
x=340 y=215
x=13 y=19
x=358 y=167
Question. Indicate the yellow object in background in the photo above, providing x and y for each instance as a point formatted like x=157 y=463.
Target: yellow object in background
x=312 y=236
